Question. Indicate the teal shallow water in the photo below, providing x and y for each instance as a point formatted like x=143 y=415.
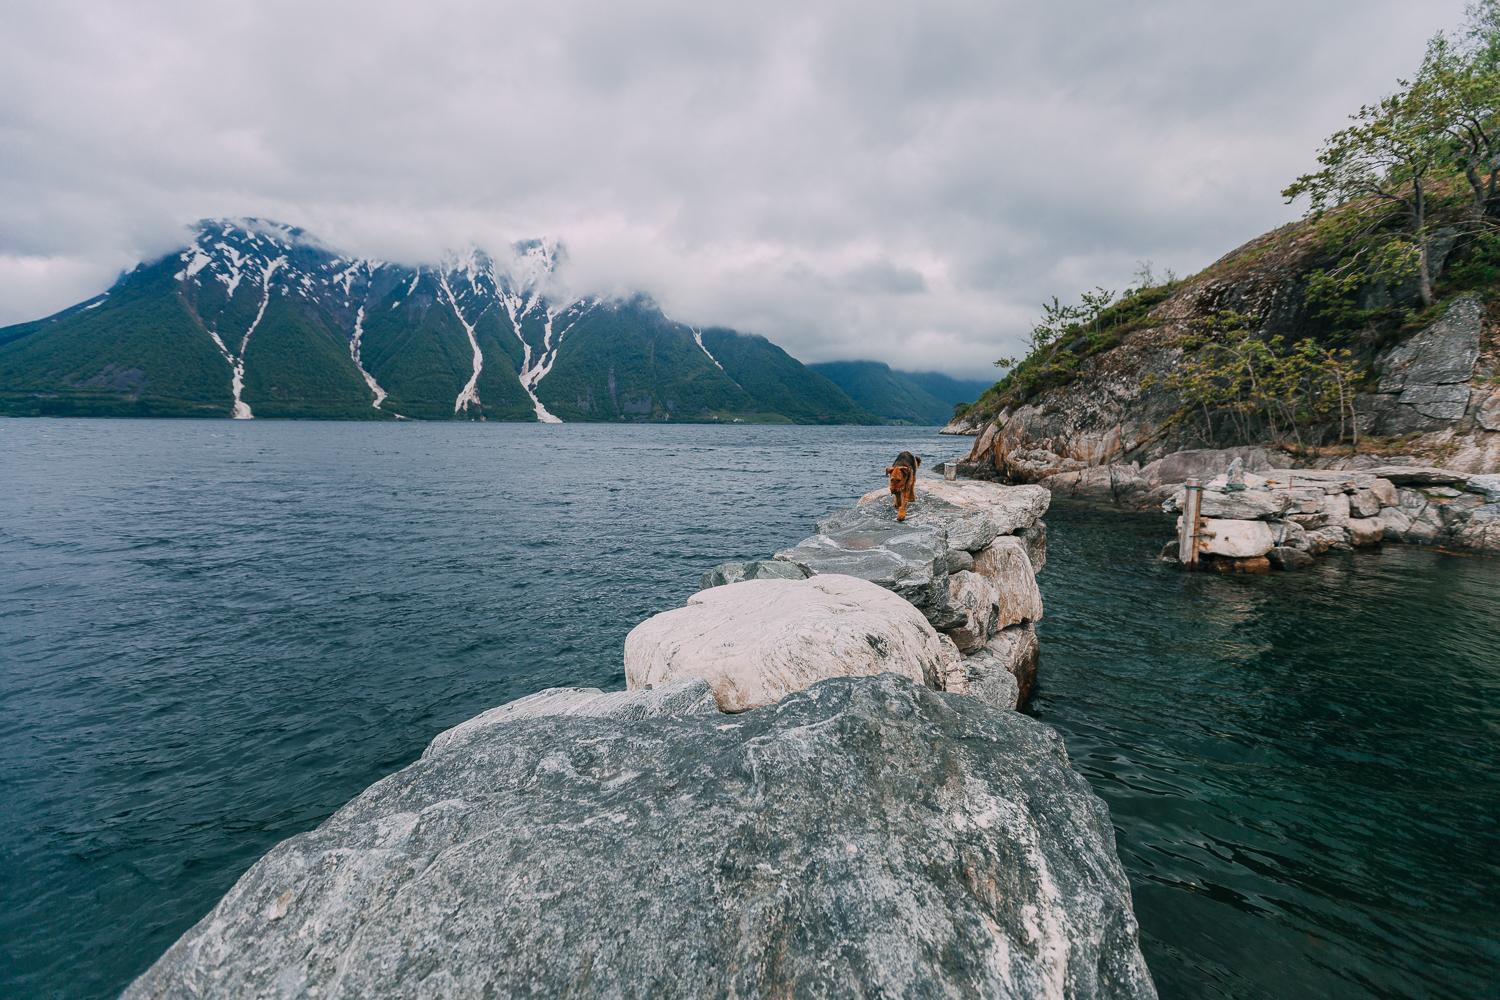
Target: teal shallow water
x=213 y=634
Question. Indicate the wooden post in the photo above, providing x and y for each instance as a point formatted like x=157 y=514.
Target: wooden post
x=1187 y=536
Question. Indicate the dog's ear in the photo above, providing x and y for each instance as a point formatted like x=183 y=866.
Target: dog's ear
x=917 y=463
x=890 y=470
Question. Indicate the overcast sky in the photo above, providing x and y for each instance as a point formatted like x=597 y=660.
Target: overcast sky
x=903 y=182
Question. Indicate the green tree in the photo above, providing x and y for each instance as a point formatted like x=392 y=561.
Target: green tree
x=1390 y=151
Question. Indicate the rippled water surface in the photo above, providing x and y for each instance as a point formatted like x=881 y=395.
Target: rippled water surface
x=213 y=634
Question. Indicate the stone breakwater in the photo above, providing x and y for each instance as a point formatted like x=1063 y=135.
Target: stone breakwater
x=962 y=569
x=1282 y=518
x=793 y=798
x=1414 y=504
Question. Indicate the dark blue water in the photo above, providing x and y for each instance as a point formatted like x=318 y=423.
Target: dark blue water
x=213 y=634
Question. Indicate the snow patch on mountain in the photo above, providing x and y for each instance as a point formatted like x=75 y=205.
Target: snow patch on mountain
x=469 y=395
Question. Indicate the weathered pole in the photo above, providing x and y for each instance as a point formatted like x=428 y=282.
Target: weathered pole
x=1192 y=526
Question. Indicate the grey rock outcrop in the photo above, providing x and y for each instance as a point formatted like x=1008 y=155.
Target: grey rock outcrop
x=909 y=560
x=863 y=838
x=760 y=569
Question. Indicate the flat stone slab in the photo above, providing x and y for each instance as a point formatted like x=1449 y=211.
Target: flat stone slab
x=972 y=513
x=758 y=641
x=906 y=559
x=864 y=838
x=1420 y=475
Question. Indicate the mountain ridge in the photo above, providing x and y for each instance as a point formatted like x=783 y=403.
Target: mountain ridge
x=259 y=319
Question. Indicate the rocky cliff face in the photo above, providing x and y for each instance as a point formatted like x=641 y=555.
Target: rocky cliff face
x=1431 y=395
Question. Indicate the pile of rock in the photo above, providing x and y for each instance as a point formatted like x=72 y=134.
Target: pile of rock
x=1282 y=518
x=850 y=831
x=965 y=560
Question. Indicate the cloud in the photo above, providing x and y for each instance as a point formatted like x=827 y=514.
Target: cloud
x=896 y=181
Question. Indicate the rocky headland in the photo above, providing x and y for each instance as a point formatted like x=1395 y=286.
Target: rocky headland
x=1425 y=416
x=815 y=785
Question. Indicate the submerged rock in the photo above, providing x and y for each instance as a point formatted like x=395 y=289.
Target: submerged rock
x=1283 y=557
x=758 y=641
x=864 y=838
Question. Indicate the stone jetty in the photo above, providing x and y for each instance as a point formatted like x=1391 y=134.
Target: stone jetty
x=965 y=558
x=1284 y=518
x=814 y=786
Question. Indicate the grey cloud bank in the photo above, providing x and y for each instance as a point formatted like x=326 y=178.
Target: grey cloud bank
x=899 y=182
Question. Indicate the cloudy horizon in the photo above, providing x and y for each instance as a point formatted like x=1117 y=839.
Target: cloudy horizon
x=898 y=183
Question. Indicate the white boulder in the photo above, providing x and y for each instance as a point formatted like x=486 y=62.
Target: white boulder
x=757 y=641
x=1008 y=566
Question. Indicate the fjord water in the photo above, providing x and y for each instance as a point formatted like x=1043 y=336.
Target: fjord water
x=212 y=634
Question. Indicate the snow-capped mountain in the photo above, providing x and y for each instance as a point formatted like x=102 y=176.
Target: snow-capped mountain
x=255 y=318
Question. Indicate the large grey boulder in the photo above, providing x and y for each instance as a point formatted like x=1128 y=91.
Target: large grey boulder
x=864 y=838
x=756 y=642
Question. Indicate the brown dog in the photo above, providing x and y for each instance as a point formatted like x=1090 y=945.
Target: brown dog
x=903 y=475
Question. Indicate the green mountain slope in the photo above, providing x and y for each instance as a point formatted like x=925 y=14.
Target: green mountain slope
x=902 y=397
x=781 y=384
x=888 y=394
x=950 y=390
x=256 y=319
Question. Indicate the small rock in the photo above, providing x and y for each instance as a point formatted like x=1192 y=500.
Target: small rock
x=1282 y=557
x=1385 y=492
x=1332 y=536
x=1366 y=531
x=1364 y=503
x=1003 y=673
x=1254 y=565
x=1487 y=486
